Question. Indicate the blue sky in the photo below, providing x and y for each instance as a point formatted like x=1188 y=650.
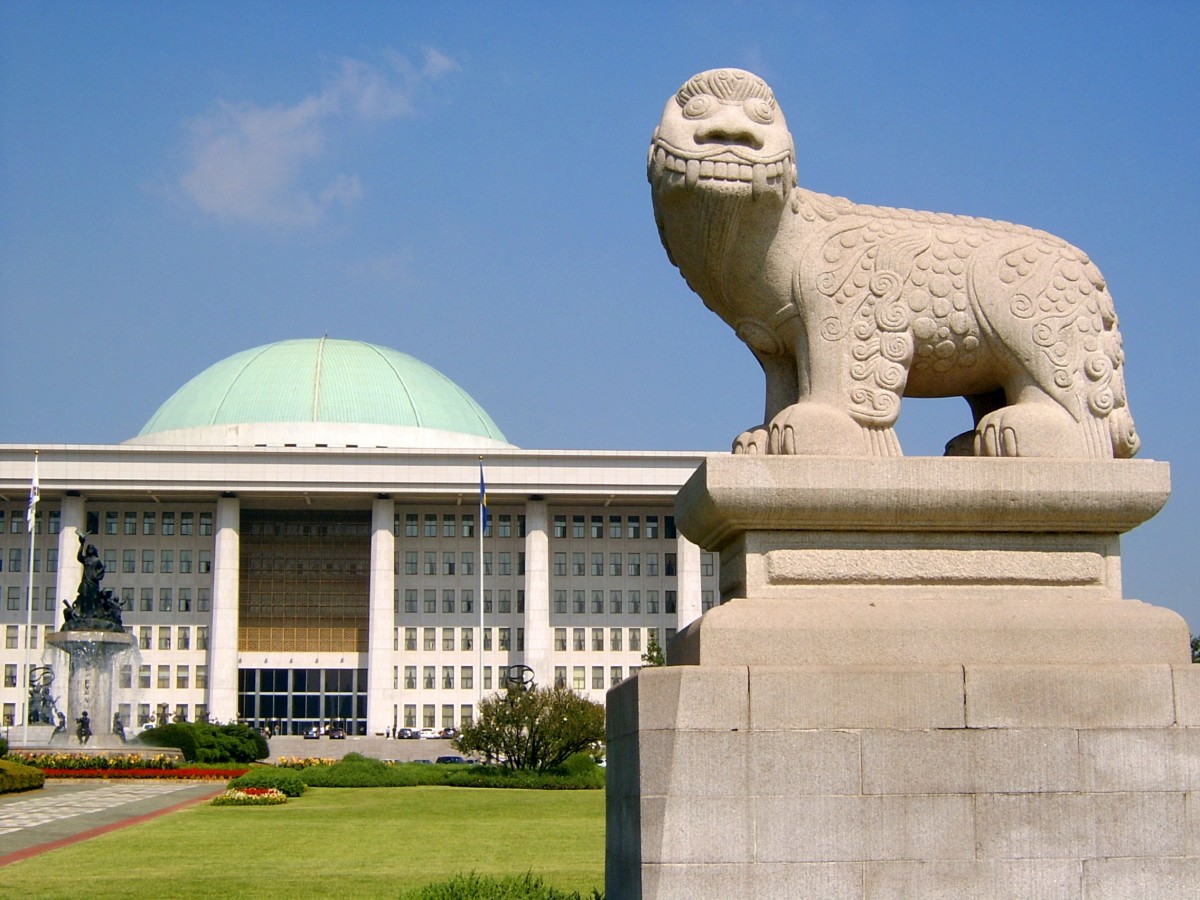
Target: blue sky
x=466 y=182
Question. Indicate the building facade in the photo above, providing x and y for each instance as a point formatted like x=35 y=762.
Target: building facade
x=290 y=564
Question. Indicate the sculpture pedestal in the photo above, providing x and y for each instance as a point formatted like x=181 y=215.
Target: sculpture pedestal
x=89 y=686
x=922 y=681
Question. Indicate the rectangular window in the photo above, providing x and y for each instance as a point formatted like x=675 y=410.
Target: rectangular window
x=430 y=562
x=505 y=605
x=447 y=678
x=505 y=638
x=130 y=526
x=614 y=564
x=467 y=639
x=185 y=523
x=168 y=523
x=578 y=678
x=164 y=677
x=184 y=641
x=635 y=601
x=578 y=639
x=560 y=526
x=410 y=600
x=614 y=601
x=410 y=639
x=616 y=677
x=669 y=602
x=634 y=566
x=449 y=559
x=635 y=639
x=577 y=529
x=487 y=678
x=201 y=637
x=447 y=638
x=146 y=602
x=669 y=528
x=206 y=524
x=410 y=525
x=13 y=599
x=147 y=562
x=410 y=678
x=651 y=602
x=468 y=562
x=652 y=564
x=14 y=557
x=597 y=678
x=182 y=678
x=505 y=526
x=669 y=564
x=560 y=564
x=578 y=565
x=560 y=603
x=203 y=599
x=428 y=677
x=204 y=563
x=144 y=676
x=10 y=675
x=125 y=679
x=468 y=525
x=449 y=526
x=10 y=637
x=560 y=676
x=614 y=527
x=202 y=676
x=431 y=600
x=707 y=600
x=579 y=602
x=466 y=677
x=487 y=562
x=468 y=600
x=52 y=559
x=598 y=639
x=448 y=601
x=149 y=523
x=185 y=599
x=166 y=562
x=505 y=566
x=560 y=639
x=614 y=639
x=706 y=564
x=633 y=527
x=597 y=563
x=110 y=522
x=128 y=561
x=487 y=602
x=185 y=562
x=597 y=527
x=410 y=562
x=165 y=599
x=430 y=524
x=429 y=638
x=598 y=603
x=487 y=640
x=652 y=528
x=164 y=637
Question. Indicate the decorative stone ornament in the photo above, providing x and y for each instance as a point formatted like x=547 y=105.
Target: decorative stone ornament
x=849 y=307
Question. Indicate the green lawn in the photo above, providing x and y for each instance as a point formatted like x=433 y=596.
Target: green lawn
x=346 y=842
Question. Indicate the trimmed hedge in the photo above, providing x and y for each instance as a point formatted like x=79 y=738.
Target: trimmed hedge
x=486 y=887
x=202 y=742
x=285 y=780
x=16 y=777
x=356 y=770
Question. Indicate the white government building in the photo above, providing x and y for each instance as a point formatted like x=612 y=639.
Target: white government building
x=294 y=539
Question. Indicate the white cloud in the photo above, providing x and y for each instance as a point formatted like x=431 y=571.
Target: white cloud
x=253 y=164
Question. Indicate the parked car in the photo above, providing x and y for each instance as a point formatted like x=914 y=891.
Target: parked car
x=312 y=734
x=449 y=732
x=451 y=759
x=336 y=734
x=406 y=734
x=428 y=734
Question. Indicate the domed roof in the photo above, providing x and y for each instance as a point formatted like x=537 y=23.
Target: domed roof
x=324 y=391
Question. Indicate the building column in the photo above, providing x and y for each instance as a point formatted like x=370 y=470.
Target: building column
x=223 y=633
x=66 y=583
x=687 y=586
x=382 y=620
x=537 y=592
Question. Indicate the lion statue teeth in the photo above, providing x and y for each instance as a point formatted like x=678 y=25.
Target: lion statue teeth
x=849 y=307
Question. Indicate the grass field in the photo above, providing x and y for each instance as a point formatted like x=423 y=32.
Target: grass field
x=345 y=842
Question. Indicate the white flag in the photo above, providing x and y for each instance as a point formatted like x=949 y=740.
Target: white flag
x=31 y=512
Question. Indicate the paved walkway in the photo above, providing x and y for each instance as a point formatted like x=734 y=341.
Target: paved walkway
x=66 y=811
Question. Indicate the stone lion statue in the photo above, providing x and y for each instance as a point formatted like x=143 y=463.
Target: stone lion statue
x=850 y=307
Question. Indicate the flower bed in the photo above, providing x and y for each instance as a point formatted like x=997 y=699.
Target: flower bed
x=304 y=762
x=65 y=761
x=250 y=796
x=190 y=774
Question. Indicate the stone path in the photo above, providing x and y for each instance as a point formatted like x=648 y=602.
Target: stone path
x=66 y=811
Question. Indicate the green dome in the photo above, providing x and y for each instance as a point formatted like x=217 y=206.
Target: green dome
x=325 y=381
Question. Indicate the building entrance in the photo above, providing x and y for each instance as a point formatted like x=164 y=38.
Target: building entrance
x=291 y=701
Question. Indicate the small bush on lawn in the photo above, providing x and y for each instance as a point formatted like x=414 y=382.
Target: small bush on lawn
x=498 y=777
x=356 y=770
x=3 y=745
x=486 y=887
x=250 y=797
x=202 y=742
x=16 y=777
x=285 y=780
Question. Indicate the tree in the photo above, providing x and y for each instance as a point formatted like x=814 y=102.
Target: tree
x=533 y=728
x=654 y=652
x=1195 y=649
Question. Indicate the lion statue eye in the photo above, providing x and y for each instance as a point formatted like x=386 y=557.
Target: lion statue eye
x=697 y=106
x=760 y=111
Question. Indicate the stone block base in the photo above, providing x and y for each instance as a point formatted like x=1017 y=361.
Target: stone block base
x=905 y=781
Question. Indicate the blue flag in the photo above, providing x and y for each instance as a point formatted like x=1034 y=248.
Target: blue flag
x=483 y=510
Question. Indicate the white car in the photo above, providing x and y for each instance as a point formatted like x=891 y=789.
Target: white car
x=427 y=734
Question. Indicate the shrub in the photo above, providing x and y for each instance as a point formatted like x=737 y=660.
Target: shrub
x=17 y=777
x=285 y=780
x=3 y=745
x=202 y=742
x=356 y=770
x=533 y=728
x=486 y=887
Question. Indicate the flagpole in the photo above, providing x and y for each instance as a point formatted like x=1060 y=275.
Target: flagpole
x=30 y=516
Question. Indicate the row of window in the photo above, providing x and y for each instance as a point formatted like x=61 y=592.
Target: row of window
x=429 y=639
x=618 y=564
x=183 y=637
x=619 y=602
x=579 y=676
x=162 y=675
x=147 y=599
x=152 y=561
x=615 y=642
x=458 y=564
x=627 y=527
x=449 y=525
x=19 y=524
x=460 y=601
x=152 y=522
x=429 y=679
x=429 y=712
